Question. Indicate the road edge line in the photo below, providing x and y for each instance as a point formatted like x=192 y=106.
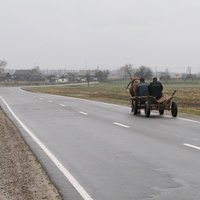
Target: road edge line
x=66 y=173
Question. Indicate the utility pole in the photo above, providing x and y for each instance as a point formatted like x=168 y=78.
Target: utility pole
x=156 y=71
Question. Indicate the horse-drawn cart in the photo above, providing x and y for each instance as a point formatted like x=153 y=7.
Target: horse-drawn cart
x=149 y=103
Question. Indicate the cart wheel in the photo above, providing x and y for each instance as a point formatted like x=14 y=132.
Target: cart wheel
x=161 y=112
x=147 y=109
x=174 y=109
x=135 y=108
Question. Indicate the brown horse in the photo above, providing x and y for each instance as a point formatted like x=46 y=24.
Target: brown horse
x=132 y=90
x=133 y=83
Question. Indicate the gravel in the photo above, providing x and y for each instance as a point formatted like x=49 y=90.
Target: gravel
x=21 y=175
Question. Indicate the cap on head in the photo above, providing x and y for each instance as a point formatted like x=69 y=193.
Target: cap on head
x=141 y=79
x=155 y=79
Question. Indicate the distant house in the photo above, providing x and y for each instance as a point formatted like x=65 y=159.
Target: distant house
x=22 y=75
x=63 y=79
x=28 y=75
x=51 y=79
x=5 y=76
x=36 y=77
x=92 y=74
x=73 y=76
x=164 y=76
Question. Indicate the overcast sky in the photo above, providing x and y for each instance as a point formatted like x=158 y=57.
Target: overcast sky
x=84 y=34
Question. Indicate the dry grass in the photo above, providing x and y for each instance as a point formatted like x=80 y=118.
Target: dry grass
x=187 y=95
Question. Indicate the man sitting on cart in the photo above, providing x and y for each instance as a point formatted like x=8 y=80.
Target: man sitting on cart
x=142 y=88
x=156 y=88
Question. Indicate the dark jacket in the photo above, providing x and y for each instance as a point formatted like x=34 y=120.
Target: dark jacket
x=155 y=89
x=142 y=89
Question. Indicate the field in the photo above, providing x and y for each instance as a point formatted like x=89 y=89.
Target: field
x=187 y=95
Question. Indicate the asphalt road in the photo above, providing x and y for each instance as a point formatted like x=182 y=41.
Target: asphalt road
x=105 y=151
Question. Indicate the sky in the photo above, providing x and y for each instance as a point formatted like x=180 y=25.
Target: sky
x=86 y=34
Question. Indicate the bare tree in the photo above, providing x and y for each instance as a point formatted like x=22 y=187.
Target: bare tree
x=87 y=76
x=102 y=75
x=36 y=70
x=164 y=76
x=72 y=76
x=144 y=72
x=188 y=75
x=2 y=65
x=128 y=70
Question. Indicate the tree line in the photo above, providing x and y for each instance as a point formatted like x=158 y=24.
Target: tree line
x=3 y=64
x=142 y=71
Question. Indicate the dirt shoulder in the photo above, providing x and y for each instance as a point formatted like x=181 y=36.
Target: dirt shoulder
x=189 y=116
x=21 y=175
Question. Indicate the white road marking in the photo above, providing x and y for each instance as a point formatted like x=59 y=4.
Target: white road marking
x=84 y=113
x=189 y=145
x=62 y=105
x=195 y=139
x=49 y=101
x=123 y=125
x=128 y=108
x=40 y=98
x=189 y=120
x=66 y=173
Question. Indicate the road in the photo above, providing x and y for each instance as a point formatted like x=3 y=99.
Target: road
x=101 y=151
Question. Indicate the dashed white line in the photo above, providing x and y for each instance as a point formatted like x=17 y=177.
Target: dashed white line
x=62 y=105
x=66 y=173
x=196 y=139
x=192 y=146
x=84 y=113
x=40 y=98
x=49 y=101
x=123 y=125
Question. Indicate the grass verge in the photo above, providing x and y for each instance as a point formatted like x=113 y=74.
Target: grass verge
x=187 y=95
